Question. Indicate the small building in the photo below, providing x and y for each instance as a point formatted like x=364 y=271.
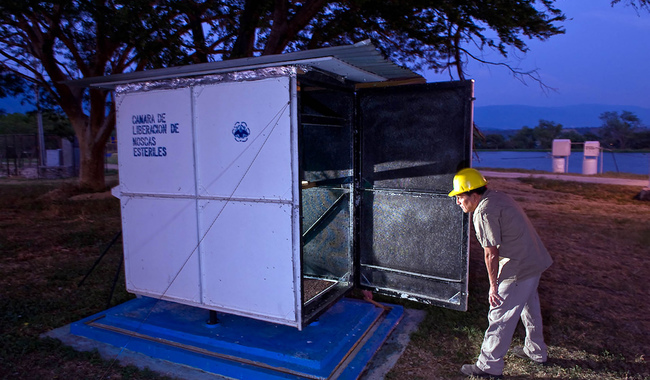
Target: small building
x=268 y=187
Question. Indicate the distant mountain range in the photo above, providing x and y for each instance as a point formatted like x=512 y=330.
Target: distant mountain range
x=578 y=116
x=487 y=118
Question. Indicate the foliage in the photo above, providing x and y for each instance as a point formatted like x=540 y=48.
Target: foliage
x=524 y=139
x=617 y=130
x=622 y=131
x=18 y=123
x=640 y=140
x=48 y=43
x=636 y=4
x=493 y=141
x=545 y=132
x=539 y=137
x=573 y=135
x=11 y=84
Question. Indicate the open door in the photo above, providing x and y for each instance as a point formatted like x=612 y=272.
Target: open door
x=326 y=117
x=413 y=239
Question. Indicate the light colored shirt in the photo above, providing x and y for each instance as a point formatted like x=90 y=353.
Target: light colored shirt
x=500 y=222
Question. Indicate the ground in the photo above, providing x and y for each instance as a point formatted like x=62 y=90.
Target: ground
x=595 y=296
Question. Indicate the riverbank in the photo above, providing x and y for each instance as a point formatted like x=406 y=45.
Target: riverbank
x=614 y=162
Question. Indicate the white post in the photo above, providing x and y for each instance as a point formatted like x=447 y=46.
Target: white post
x=590 y=157
x=561 y=151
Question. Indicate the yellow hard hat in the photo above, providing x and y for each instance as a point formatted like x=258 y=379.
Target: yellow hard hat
x=466 y=180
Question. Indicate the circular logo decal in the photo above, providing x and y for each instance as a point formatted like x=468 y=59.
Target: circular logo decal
x=241 y=131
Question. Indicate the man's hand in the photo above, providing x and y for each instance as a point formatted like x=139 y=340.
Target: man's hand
x=494 y=297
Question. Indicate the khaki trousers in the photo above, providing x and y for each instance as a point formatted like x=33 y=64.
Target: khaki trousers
x=520 y=301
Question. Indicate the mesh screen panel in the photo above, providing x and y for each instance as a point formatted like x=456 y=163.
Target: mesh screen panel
x=413 y=233
x=326 y=233
x=414 y=140
x=413 y=238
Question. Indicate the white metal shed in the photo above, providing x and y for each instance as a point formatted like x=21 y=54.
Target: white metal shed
x=268 y=187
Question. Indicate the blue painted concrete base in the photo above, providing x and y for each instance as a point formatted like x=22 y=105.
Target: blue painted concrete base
x=338 y=345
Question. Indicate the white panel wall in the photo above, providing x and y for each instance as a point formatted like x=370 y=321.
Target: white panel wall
x=258 y=166
x=247 y=258
x=160 y=244
x=243 y=146
x=208 y=187
x=154 y=141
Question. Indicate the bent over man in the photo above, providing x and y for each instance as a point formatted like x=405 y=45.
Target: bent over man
x=515 y=258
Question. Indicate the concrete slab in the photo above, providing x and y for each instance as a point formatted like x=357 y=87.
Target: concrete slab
x=174 y=340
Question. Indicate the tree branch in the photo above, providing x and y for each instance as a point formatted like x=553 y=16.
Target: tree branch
x=517 y=73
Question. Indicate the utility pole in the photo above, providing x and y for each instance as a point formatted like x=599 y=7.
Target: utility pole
x=39 y=121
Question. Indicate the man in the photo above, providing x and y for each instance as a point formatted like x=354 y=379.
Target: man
x=515 y=258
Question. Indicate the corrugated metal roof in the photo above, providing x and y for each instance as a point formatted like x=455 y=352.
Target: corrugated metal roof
x=360 y=62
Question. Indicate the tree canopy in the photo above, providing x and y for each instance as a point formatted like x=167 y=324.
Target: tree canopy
x=25 y=123
x=50 y=42
x=617 y=130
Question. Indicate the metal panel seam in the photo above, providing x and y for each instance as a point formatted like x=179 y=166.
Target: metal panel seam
x=198 y=250
x=296 y=202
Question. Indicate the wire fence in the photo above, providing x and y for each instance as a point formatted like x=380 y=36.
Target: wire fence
x=20 y=156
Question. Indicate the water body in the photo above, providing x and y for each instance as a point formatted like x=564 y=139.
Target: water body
x=635 y=163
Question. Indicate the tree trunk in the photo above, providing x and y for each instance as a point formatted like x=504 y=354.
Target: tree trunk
x=245 y=43
x=91 y=154
x=91 y=170
x=286 y=29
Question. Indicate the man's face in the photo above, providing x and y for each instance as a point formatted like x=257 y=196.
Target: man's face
x=468 y=202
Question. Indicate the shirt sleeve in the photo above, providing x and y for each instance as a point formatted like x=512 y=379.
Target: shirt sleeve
x=488 y=229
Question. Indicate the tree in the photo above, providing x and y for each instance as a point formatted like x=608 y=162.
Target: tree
x=10 y=84
x=523 y=139
x=17 y=123
x=20 y=123
x=413 y=33
x=636 y=4
x=545 y=132
x=491 y=141
x=572 y=135
x=49 y=43
x=641 y=139
x=591 y=136
x=616 y=129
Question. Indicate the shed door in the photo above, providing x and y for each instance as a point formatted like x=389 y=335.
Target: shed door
x=413 y=238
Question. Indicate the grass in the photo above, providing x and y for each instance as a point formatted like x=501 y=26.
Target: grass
x=594 y=298
x=47 y=245
x=596 y=192
x=599 y=175
x=112 y=159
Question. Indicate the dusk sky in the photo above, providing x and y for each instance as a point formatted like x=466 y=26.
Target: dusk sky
x=603 y=58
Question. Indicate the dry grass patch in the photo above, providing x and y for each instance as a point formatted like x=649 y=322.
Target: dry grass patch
x=594 y=298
